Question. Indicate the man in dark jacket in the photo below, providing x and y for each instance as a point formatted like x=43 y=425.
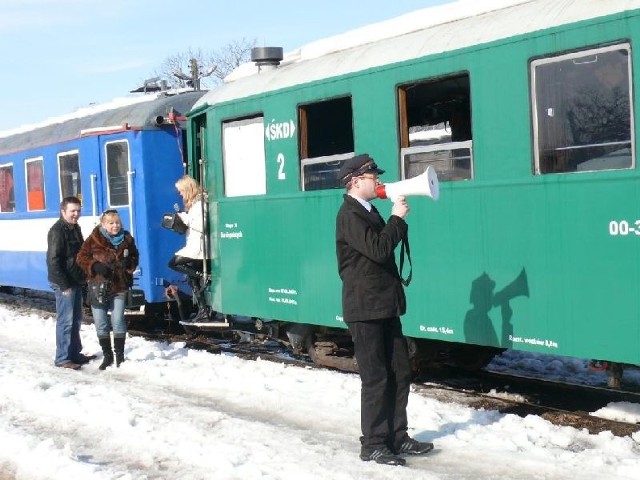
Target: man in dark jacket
x=66 y=279
x=372 y=301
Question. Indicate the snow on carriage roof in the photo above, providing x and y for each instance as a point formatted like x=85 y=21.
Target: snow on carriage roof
x=81 y=112
x=136 y=111
x=417 y=34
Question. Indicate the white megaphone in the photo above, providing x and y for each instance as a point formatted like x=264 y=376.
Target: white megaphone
x=424 y=184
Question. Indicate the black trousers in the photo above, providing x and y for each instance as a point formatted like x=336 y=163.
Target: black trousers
x=192 y=268
x=383 y=361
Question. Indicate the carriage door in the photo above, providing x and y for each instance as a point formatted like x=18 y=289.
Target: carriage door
x=118 y=185
x=197 y=168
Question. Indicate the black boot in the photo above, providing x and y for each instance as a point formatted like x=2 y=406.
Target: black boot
x=203 y=315
x=204 y=312
x=118 y=347
x=107 y=359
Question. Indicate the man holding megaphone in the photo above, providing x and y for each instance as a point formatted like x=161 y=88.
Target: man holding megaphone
x=372 y=301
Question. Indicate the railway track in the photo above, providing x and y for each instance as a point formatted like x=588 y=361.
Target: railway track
x=559 y=403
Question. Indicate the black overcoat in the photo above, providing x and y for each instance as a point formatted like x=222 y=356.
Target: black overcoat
x=63 y=243
x=371 y=285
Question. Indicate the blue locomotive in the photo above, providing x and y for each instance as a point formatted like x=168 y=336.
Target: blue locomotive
x=125 y=155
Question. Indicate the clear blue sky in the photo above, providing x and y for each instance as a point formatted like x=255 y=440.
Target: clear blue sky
x=60 y=55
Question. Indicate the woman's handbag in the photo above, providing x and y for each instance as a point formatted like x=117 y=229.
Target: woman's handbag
x=172 y=221
x=98 y=293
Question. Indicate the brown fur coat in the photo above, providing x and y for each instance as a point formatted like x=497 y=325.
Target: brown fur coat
x=122 y=260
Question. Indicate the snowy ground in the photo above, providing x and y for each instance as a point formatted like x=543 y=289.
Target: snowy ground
x=173 y=413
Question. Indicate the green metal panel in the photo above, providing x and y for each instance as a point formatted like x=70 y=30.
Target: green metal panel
x=507 y=259
x=274 y=256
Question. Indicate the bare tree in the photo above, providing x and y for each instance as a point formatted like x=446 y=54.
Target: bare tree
x=202 y=70
x=231 y=56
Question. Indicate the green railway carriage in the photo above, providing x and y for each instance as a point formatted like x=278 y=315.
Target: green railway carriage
x=527 y=113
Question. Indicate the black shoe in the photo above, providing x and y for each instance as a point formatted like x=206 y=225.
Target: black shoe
x=84 y=359
x=381 y=455
x=414 y=447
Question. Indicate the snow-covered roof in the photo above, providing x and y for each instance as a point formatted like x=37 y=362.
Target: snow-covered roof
x=136 y=112
x=424 y=32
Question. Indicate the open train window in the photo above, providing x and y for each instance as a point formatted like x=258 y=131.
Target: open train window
x=117 y=173
x=435 y=128
x=69 y=175
x=35 y=184
x=243 y=157
x=326 y=140
x=582 y=111
x=7 y=194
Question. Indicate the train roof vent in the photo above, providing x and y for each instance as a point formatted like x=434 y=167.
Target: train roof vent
x=266 y=58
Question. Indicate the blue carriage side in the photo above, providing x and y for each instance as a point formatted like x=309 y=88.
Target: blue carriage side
x=125 y=155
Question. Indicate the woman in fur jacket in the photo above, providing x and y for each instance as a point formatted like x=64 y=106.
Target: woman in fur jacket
x=109 y=257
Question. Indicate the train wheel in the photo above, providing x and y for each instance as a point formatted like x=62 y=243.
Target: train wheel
x=328 y=352
x=598 y=365
x=473 y=357
x=155 y=317
x=614 y=374
x=422 y=354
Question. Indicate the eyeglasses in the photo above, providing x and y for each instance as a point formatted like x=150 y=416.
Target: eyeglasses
x=110 y=211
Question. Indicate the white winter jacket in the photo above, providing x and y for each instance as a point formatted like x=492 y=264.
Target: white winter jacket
x=193 y=220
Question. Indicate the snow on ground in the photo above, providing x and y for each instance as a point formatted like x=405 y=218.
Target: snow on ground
x=173 y=413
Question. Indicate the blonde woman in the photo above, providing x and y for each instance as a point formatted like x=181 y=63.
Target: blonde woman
x=190 y=258
x=108 y=257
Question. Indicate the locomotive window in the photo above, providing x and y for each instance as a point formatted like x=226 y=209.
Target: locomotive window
x=326 y=140
x=7 y=195
x=117 y=168
x=35 y=184
x=243 y=152
x=435 y=128
x=582 y=114
x=69 y=175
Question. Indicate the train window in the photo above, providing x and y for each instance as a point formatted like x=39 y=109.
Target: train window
x=69 y=175
x=435 y=128
x=35 y=184
x=7 y=195
x=243 y=152
x=582 y=111
x=326 y=140
x=117 y=177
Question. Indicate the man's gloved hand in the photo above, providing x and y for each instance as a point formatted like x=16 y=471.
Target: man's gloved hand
x=101 y=269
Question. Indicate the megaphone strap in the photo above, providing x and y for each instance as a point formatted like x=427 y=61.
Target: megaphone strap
x=403 y=246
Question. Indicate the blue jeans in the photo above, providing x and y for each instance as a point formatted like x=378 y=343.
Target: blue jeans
x=68 y=320
x=117 y=324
